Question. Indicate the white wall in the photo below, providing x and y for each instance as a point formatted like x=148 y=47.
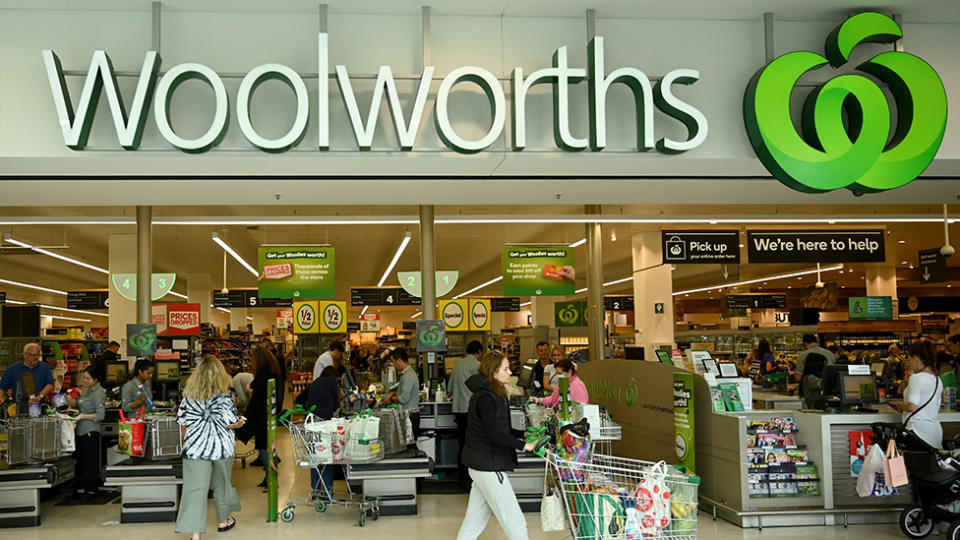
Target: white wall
x=727 y=53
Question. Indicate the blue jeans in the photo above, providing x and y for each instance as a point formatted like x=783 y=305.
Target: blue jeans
x=326 y=489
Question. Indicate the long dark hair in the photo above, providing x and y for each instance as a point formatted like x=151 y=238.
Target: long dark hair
x=813 y=365
x=763 y=349
x=926 y=351
x=488 y=366
x=262 y=357
x=142 y=365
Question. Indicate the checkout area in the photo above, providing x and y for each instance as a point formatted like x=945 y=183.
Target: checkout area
x=770 y=462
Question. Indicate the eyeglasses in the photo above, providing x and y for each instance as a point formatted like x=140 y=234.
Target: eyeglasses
x=32 y=355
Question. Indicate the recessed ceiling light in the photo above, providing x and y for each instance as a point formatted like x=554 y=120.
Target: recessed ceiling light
x=901 y=241
x=789 y=287
x=903 y=262
x=741 y=245
x=911 y=267
x=689 y=295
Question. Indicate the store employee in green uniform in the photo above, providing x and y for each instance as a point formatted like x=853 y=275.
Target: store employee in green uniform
x=407 y=393
x=952 y=377
x=132 y=396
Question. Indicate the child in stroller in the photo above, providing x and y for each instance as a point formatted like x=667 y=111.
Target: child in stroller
x=935 y=477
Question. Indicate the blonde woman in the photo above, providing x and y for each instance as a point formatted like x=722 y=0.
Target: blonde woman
x=207 y=418
x=550 y=374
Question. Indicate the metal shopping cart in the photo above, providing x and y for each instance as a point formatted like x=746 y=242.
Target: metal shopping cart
x=316 y=450
x=609 y=431
x=615 y=497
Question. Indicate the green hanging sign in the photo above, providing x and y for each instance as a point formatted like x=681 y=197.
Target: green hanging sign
x=297 y=272
x=538 y=271
x=570 y=314
x=859 y=155
x=160 y=285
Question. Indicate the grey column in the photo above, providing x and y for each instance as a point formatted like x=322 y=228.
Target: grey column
x=144 y=262
x=428 y=265
x=595 y=285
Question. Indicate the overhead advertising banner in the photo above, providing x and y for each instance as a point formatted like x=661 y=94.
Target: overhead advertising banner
x=182 y=320
x=870 y=308
x=933 y=266
x=296 y=272
x=538 y=270
x=88 y=299
x=479 y=315
x=333 y=317
x=570 y=314
x=370 y=323
x=700 y=247
x=815 y=246
x=412 y=282
x=305 y=317
x=455 y=315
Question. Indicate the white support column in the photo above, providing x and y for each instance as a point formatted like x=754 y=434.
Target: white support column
x=122 y=254
x=650 y=287
x=200 y=291
x=541 y=308
x=882 y=281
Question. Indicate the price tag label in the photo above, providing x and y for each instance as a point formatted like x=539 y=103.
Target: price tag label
x=858 y=369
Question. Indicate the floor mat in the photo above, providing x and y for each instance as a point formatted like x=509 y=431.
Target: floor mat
x=102 y=497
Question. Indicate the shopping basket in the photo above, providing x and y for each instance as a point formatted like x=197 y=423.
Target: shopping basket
x=163 y=437
x=14 y=442
x=611 y=497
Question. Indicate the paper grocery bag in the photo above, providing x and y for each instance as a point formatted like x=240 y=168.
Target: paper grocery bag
x=895 y=468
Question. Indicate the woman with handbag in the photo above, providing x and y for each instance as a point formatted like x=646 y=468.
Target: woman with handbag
x=264 y=367
x=921 y=398
x=207 y=416
x=491 y=450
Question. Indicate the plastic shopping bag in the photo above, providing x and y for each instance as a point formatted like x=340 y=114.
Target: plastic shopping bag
x=896 y=468
x=650 y=515
x=871 y=481
x=131 y=434
x=318 y=440
x=68 y=435
x=552 y=518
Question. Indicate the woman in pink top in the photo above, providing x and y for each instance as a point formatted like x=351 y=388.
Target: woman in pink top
x=578 y=390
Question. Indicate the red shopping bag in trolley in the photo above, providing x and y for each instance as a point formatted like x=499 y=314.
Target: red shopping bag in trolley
x=131 y=434
x=651 y=515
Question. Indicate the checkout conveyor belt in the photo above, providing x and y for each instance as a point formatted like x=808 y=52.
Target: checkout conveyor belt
x=20 y=490
x=149 y=489
x=393 y=480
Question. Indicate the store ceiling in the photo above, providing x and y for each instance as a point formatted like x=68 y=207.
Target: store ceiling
x=913 y=10
x=364 y=251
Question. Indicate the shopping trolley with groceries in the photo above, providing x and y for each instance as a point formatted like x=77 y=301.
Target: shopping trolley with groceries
x=318 y=444
x=600 y=496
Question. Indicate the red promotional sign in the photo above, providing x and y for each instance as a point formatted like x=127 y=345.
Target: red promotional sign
x=371 y=317
x=182 y=320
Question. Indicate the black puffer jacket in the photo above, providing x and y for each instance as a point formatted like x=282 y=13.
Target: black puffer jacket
x=491 y=445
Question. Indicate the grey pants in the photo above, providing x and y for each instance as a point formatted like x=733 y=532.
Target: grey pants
x=492 y=493
x=199 y=476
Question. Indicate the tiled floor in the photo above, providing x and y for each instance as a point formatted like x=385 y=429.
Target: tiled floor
x=440 y=517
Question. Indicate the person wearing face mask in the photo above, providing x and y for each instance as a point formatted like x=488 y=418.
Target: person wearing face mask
x=490 y=452
x=921 y=398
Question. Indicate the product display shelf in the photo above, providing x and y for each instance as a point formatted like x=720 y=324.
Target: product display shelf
x=787 y=339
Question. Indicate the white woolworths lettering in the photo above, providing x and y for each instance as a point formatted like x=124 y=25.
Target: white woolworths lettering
x=129 y=128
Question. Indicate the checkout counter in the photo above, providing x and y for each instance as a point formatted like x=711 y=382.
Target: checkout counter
x=20 y=490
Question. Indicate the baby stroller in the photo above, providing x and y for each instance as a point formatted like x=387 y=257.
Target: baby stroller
x=935 y=477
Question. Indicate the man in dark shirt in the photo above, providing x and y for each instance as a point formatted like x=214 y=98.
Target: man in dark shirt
x=536 y=378
x=110 y=354
x=34 y=365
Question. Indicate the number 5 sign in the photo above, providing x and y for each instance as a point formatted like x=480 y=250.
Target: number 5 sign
x=305 y=317
x=332 y=317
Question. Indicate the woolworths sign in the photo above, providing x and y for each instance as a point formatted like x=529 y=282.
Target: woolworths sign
x=157 y=92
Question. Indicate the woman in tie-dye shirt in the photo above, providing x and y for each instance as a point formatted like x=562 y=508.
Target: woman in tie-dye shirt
x=207 y=417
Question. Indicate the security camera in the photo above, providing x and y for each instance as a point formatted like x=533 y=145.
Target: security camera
x=225 y=290
x=947 y=250
x=818 y=284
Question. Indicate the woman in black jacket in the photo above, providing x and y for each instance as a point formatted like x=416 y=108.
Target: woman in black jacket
x=265 y=367
x=490 y=450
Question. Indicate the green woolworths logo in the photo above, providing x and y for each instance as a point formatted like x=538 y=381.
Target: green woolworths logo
x=860 y=155
x=569 y=314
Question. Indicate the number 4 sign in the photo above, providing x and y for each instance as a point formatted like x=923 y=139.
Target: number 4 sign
x=332 y=317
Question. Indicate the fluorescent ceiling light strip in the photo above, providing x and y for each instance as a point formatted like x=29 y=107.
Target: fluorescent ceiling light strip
x=178 y=295
x=225 y=310
x=578 y=291
x=579 y=242
x=19 y=303
x=616 y=281
x=57 y=256
x=758 y=280
x=35 y=287
x=417 y=314
x=235 y=255
x=525 y=304
x=58 y=308
x=363 y=311
x=396 y=257
x=478 y=287
x=67 y=318
x=249 y=318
